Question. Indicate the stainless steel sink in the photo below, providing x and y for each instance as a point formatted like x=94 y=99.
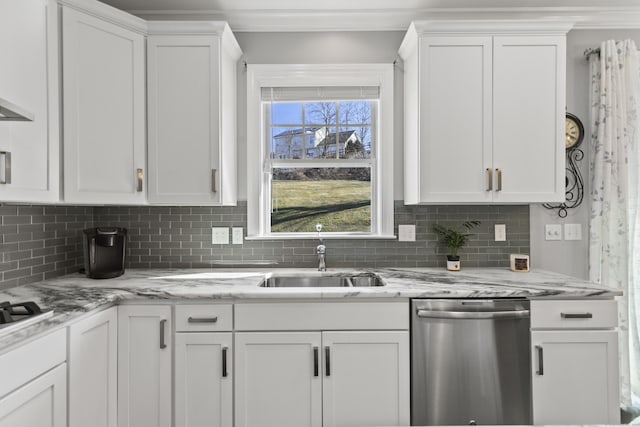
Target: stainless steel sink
x=321 y=281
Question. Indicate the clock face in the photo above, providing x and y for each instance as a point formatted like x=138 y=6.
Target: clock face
x=574 y=131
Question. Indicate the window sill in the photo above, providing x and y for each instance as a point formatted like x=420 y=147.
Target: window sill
x=325 y=236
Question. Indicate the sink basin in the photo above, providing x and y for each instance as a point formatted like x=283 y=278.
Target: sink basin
x=321 y=281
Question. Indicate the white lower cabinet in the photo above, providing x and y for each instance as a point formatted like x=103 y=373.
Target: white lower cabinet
x=93 y=370
x=34 y=383
x=366 y=379
x=337 y=378
x=278 y=379
x=41 y=402
x=144 y=366
x=574 y=362
x=203 y=380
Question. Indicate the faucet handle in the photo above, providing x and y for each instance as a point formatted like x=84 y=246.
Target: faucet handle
x=318 y=227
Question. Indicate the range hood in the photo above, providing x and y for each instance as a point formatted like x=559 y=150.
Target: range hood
x=11 y=112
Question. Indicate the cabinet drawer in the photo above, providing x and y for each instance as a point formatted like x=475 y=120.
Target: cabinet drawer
x=204 y=318
x=23 y=364
x=574 y=314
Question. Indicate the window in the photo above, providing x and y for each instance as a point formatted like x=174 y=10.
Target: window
x=316 y=141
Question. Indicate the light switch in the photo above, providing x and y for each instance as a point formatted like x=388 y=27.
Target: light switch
x=407 y=233
x=500 y=232
x=237 y=235
x=573 y=232
x=553 y=232
x=220 y=235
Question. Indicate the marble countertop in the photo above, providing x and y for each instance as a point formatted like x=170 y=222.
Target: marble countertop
x=73 y=295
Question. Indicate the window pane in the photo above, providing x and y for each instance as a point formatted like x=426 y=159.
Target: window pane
x=355 y=112
x=338 y=198
x=286 y=113
x=318 y=114
x=354 y=142
x=293 y=143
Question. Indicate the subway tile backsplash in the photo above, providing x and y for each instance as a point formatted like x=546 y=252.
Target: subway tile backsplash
x=40 y=242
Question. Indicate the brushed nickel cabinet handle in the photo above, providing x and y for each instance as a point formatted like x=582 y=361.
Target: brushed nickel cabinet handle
x=327 y=361
x=139 y=176
x=163 y=344
x=315 y=362
x=489 y=179
x=214 y=185
x=576 y=315
x=499 y=179
x=540 y=370
x=224 y=361
x=202 y=319
x=7 y=167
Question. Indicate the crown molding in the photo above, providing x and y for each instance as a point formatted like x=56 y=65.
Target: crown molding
x=397 y=19
x=108 y=13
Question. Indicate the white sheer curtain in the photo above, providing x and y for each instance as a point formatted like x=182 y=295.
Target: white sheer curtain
x=614 y=246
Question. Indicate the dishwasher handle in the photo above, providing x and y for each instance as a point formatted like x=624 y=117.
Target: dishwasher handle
x=513 y=314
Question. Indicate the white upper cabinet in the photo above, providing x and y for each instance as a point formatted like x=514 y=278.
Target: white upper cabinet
x=192 y=113
x=484 y=112
x=103 y=63
x=29 y=150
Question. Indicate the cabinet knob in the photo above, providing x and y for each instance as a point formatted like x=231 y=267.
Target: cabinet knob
x=224 y=361
x=540 y=370
x=163 y=344
x=139 y=176
x=6 y=178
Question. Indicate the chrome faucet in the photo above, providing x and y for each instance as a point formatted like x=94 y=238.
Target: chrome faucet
x=321 y=250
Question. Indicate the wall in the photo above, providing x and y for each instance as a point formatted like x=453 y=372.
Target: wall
x=317 y=48
x=571 y=257
x=40 y=242
x=181 y=237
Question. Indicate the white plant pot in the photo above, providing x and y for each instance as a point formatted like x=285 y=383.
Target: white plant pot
x=453 y=263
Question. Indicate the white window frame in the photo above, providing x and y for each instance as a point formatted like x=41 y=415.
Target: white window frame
x=312 y=75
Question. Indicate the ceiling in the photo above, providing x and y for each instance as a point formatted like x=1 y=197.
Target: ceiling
x=305 y=15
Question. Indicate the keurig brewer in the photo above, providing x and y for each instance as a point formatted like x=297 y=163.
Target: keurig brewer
x=104 y=252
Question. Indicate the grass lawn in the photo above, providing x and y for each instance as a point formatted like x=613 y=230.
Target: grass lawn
x=339 y=205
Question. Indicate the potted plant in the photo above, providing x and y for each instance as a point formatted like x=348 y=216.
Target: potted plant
x=454 y=240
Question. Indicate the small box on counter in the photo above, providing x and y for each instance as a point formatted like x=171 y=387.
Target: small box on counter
x=519 y=262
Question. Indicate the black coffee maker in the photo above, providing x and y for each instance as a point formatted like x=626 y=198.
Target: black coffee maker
x=104 y=252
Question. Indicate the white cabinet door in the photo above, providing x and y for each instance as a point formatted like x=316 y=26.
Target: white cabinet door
x=41 y=402
x=29 y=151
x=575 y=377
x=528 y=118
x=454 y=142
x=93 y=370
x=366 y=378
x=104 y=110
x=192 y=114
x=278 y=379
x=144 y=366
x=203 y=379
x=484 y=114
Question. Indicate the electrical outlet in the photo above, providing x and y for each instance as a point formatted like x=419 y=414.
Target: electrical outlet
x=220 y=235
x=407 y=233
x=553 y=232
x=573 y=232
x=500 y=232
x=237 y=235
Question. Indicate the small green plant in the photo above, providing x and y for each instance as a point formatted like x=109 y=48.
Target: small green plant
x=455 y=239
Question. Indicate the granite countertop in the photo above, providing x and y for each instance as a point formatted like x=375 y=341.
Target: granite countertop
x=73 y=295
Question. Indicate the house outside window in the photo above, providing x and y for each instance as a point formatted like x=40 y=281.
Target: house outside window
x=316 y=148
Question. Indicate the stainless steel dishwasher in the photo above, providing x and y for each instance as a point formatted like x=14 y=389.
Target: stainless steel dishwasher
x=470 y=362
